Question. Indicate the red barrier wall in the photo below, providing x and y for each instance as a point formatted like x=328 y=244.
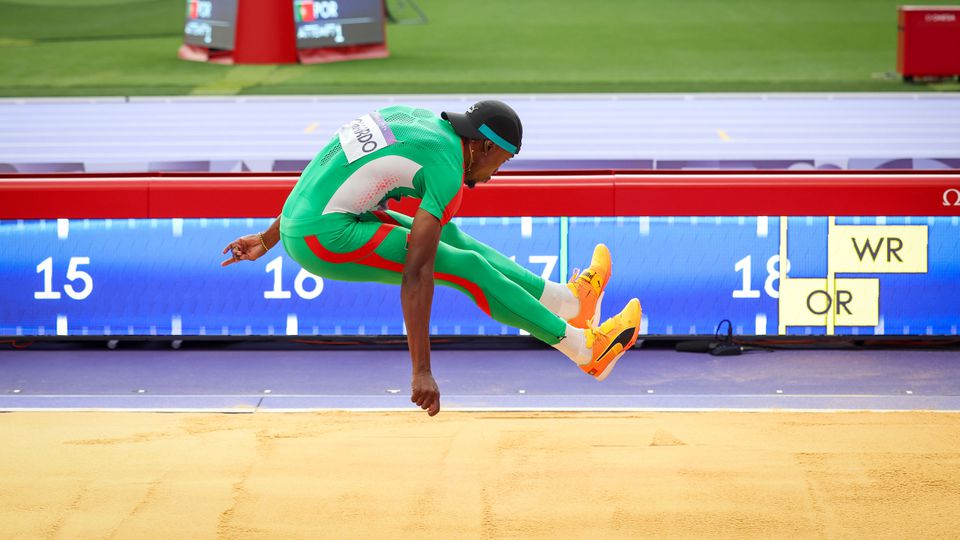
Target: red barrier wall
x=571 y=193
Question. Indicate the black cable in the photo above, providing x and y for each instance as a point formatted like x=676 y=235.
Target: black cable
x=720 y=346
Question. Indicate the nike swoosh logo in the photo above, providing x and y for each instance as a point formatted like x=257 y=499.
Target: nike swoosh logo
x=623 y=340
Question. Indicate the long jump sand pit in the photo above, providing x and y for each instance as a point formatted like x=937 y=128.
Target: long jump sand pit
x=480 y=475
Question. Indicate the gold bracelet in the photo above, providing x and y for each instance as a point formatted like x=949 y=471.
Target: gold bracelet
x=262 y=243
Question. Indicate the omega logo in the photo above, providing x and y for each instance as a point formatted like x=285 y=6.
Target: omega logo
x=952 y=193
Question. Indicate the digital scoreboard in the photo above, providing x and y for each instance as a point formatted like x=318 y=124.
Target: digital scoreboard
x=333 y=23
x=211 y=23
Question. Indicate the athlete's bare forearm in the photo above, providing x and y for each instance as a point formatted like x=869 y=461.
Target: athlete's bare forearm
x=271 y=236
x=416 y=297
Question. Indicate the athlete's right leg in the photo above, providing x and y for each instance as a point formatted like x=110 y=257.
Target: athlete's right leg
x=453 y=236
x=577 y=302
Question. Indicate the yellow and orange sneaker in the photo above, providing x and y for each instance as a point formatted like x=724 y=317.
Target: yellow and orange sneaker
x=611 y=339
x=588 y=287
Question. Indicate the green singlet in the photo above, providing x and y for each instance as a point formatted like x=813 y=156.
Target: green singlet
x=334 y=226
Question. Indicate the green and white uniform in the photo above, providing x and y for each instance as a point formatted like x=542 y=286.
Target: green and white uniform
x=334 y=226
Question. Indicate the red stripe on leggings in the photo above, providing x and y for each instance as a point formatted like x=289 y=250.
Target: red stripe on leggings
x=377 y=261
x=471 y=287
x=366 y=256
x=386 y=218
x=481 y=299
x=326 y=255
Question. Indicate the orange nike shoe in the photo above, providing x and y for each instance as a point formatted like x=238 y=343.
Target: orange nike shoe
x=611 y=339
x=588 y=287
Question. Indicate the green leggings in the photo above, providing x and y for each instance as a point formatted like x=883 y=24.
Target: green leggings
x=372 y=247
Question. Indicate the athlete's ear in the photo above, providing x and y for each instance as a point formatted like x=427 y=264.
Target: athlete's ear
x=487 y=146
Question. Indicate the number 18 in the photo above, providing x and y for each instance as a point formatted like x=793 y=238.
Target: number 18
x=773 y=274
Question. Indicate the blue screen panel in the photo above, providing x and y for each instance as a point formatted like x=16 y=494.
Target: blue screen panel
x=163 y=277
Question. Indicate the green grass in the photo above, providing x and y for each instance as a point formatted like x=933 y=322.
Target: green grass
x=128 y=47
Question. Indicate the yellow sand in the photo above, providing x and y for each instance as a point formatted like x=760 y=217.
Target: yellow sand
x=480 y=475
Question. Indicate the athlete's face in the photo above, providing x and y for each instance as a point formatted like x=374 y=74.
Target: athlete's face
x=487 y=160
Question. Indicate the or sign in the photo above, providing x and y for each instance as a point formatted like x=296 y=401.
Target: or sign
x=812 y=302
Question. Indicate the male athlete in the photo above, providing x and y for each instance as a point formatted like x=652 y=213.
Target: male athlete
x=334 y=225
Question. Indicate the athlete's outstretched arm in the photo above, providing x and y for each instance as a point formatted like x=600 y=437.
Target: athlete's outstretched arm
x=416 y=297
x=253 y=246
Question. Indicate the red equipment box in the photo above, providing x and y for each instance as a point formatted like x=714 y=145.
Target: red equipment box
x=928 y=41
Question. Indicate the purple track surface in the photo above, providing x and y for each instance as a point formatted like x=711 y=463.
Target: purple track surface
x=632 y=131
x=645 y=379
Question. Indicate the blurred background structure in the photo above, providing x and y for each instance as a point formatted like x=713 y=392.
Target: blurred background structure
x=127 y=48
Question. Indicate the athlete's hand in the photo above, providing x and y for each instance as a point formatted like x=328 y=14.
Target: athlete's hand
x=426 y=393
x=245 y=248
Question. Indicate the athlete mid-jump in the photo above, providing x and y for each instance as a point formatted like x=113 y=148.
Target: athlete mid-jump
x=333 y=225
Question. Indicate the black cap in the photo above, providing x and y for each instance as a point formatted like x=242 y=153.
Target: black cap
x=490 y=119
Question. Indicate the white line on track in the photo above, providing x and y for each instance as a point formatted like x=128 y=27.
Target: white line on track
x=414 y=410
x=618 y=142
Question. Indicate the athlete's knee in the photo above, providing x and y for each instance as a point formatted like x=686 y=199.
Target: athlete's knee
x=475 y=267
x=461 y=240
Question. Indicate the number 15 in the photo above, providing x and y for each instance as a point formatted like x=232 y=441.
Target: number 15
x=73 y=274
